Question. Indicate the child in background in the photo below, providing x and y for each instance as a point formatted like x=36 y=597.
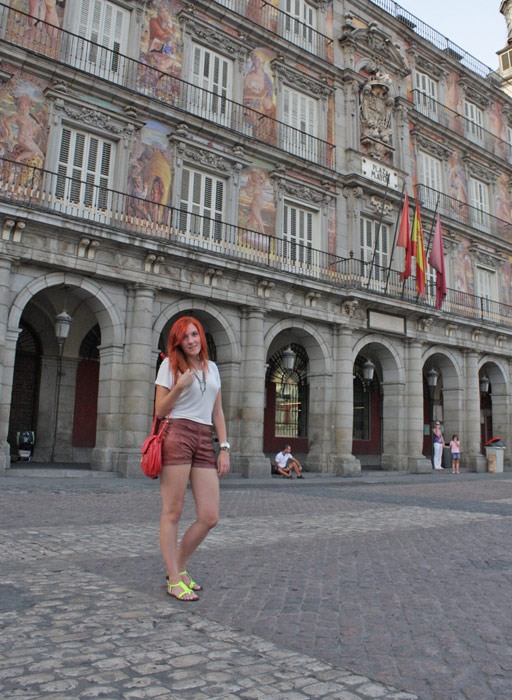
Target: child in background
x=455 y=449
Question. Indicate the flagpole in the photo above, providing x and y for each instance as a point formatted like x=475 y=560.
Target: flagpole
x=395 y=237
x=432 y=230
x=378 y=233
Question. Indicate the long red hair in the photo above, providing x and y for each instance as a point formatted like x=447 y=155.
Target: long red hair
x=177 y=360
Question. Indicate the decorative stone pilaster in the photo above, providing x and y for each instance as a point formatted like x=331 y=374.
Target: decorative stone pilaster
x=418 y=464
x=342 y=461
x=471 y=456
x=7 y=352
x=138 y=389
x=252 y=461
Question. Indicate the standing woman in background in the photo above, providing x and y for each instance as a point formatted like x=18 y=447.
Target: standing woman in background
x=189 y=384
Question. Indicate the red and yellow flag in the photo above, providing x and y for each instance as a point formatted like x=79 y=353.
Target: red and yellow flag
x=418 y=250
x=404 y=239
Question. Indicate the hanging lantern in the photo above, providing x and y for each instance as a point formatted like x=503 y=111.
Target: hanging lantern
x=368 y=371
x=62 y=325
x=288 y=359
x=484 y=384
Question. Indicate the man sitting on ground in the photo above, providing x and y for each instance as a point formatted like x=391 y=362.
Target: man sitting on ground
x=285 y=462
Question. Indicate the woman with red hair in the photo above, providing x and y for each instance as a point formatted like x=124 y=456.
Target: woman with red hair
x=189 y=384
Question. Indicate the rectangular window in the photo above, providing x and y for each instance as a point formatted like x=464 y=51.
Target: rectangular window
x=479 y=192
x=211 y=87
x=487 y=290
x=202 y=205
x=474 y=122
x=104 y=26
x=298 y=235
x=430 y=168
x=374 y=247
x=84 y=171
x=299 y=23
x=300 y=112
x=425 y=97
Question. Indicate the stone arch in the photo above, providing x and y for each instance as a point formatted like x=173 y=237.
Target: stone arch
x=449 y=391
x=498 y=400
x=316 y=345
x=229 y=345
x=101 y=305
x=387 y=409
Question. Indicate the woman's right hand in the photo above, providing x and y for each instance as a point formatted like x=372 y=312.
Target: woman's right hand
x=186 y=379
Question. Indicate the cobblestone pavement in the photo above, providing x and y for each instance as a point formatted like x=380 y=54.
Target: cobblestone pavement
x=390 y=587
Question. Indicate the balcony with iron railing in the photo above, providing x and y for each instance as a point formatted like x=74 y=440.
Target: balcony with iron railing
x=463 y=213
x=30 y=188
x=285 y=26
x=111 y=66
x=461 y=125
x=438 y=40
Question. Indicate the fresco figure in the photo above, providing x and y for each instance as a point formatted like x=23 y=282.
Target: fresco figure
x=160 y=40
x=258 y=94
x=23 y=147
x=256 y=206
x=42 y=11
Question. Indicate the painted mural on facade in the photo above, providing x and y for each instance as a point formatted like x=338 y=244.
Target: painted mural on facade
x=457 y=185
x=256 y=207
x=505 y=282
x=259 y=95
x=23 y=120
x=149 y=180
x=262 y=13
x=503 y=205
x=463 y=269
x=161 y=52
x=39 y=26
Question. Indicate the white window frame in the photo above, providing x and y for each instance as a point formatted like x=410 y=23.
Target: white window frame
x=299 y=23
x=479 y=197
x=432 y=177
x=301 y=112
x=300 y=234
x=487 y=289
x=83 y=187
x=211 y=90
x=369 y=246
x=474 y=121
x=426 y=94
x=107 y=25
x=202 y=208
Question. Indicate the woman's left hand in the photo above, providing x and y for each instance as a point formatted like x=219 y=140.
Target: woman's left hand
x=223 y=463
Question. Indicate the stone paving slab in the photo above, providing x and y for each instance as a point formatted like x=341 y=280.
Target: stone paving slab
x=396 y=589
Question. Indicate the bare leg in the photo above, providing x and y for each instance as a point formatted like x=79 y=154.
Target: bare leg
x=205 y=488
x=284 y=472
x=296 y=467
x=173 y=484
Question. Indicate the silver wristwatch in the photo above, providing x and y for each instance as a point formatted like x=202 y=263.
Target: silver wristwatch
x=225 y=446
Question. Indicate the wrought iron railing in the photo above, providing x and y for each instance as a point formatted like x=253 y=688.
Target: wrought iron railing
x=463 y=126
x=144 y=78
x=437 y=39
x=283 y=24
x=30 y=187
x=464 y=213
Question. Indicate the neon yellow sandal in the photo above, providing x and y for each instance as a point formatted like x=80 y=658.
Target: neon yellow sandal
x=184 y=590
x=192 y=585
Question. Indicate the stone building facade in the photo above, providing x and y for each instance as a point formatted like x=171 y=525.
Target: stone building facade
x=245 y=162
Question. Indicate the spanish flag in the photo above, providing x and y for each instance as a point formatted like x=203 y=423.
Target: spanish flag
x=418 y=250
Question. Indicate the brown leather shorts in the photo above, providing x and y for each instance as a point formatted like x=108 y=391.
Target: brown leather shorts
x=188 y=442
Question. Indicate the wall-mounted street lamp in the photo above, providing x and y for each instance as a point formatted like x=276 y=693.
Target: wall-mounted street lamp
x=288 y=359
x=432 y=377
x=368 y=373
x=484 y=384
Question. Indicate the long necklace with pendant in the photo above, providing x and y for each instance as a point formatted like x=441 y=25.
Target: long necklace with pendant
x=201 y=382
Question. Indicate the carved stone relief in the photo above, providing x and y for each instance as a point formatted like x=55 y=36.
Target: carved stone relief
x=301 y=81
x=376 y=115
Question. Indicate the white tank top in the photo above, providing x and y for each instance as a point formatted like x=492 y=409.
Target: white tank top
x=193 y=404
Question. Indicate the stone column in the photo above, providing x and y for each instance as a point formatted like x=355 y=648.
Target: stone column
x=7 y=355
x=230 y=376
x=418 y=464
x=62 y=450
x=108 y=425
x=471 y=437
x=392 y=457
x=138 y=388
x=342 y=461
x=251 y=461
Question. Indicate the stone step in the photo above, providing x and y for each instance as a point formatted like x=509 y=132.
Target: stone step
x=60 y=472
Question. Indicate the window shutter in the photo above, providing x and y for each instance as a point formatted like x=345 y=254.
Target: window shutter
x=62 y=169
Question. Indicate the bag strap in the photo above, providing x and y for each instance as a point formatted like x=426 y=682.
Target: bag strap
x=167 y=418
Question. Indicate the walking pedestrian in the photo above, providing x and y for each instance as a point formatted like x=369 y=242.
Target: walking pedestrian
x=439 y=443
x=188 y=387
x=455 y=450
